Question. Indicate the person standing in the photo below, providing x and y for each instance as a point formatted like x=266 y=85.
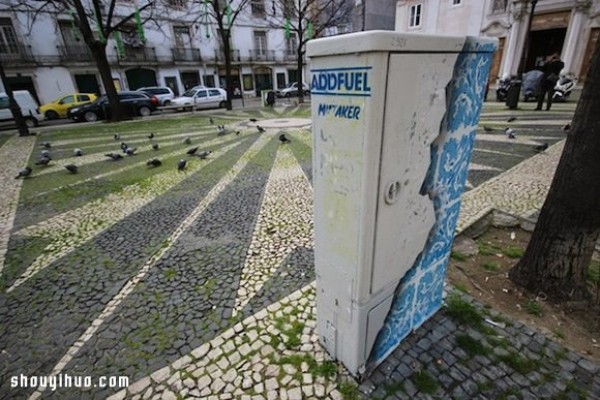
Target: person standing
x=551 y=70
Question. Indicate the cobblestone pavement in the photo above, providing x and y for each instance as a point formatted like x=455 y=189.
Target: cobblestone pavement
x=199 y=284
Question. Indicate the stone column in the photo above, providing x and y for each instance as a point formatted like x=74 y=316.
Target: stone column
x=572 y=41
x=514 y=47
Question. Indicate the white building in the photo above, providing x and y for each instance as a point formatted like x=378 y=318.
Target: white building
x=49 y=58
x=568 y=27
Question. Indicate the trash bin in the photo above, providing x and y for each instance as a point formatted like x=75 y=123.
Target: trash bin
x=513 y=93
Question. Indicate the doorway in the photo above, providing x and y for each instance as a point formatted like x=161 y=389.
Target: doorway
x=544 y=43
x=171 y=83
x=87 y=83
x=189 y=79
x=23 y=83
x=140 y=77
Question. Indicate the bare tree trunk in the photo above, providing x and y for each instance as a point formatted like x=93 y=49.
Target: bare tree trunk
x=99 y=53
x=300 y=75
x=562 y=244
x=15 y=109
x=228 y=85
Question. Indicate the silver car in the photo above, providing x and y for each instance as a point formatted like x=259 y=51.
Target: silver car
x=164 y=94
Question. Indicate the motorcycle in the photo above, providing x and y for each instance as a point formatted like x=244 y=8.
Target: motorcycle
x=563 y=88
x=502 y=88
x=531 y=84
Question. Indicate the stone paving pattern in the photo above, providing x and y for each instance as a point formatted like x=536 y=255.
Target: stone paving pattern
x=198 y=284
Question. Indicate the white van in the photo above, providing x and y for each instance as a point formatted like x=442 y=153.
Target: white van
x=29 y=108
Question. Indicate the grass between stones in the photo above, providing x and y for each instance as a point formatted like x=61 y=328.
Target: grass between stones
x=424 y=382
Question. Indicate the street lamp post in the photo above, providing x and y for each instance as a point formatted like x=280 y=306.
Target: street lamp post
x=523 y=61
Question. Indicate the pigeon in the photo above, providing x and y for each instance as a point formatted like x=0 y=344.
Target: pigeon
x=155 y=146
x=253 y=120
x=124 y=146
x=510 y=133
x=25 y=172
x=181 y=165
x=541 y=148
x=187 y=140
x=46 y=145
x=151 y=136
x=237 y=133
x=114 y=156
x=221 y=128
x=211 y=120
x=567 y=127
x=487 y=128
x=45 y=154
x=42 y=161
x=72 y=168
x=192 y=151
x=511 y=119
x=260 y=129
x=77 y=152
x=204 y=154
x=129 y=151
x=117 y=137
x=155 y=162
x=284 y=139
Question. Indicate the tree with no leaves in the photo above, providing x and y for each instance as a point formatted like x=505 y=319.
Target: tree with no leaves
x=96 y=20
x=223 y=13
x=562 y=244
x=306 y=19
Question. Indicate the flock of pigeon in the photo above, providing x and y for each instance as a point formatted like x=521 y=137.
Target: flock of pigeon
x=511 y=134
x=46 y=158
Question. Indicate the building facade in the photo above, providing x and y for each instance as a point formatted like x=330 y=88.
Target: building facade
x=568 y=27
x=181 y=49
x=374 y=15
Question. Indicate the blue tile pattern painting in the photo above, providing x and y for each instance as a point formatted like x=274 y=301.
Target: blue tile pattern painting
x=419 y=294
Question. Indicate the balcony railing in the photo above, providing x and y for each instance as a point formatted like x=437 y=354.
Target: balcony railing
x=186 y=54
x=75 y=53
x=220 y=55
x=139 y=55
x=17 y=54
x=290 y=55
x=262 y=55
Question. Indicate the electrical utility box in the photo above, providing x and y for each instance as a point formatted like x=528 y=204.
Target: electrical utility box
x=380 y=107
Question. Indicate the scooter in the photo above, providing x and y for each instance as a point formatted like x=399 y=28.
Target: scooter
x=563 y=88
x=502 y=88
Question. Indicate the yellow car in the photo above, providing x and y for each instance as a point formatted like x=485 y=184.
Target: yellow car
x=58 y=108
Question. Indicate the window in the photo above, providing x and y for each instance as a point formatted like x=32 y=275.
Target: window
x=288 y=8
x=415 y=16
x=209 y=80
x=258 y=7
x=260 y=43
x=201 y=93
x=177 y=3
x=248 y=82
x=182 y=36
x=84 y=97
x=456 y=2
x=499 y=5
x=67 y=99
x=8 y=38
x=291 y=44
x=214 y=92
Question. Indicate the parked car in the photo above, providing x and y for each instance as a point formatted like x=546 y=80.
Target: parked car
x=134 y=104
x=292 y=90
x=164 y=94
x=201 y=97
x=28 y=105
x=59 y=107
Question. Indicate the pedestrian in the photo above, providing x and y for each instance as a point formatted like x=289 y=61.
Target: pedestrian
x=271 y=98
x=551 y=70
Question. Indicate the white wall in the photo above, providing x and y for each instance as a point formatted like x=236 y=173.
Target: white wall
x=53 y=82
